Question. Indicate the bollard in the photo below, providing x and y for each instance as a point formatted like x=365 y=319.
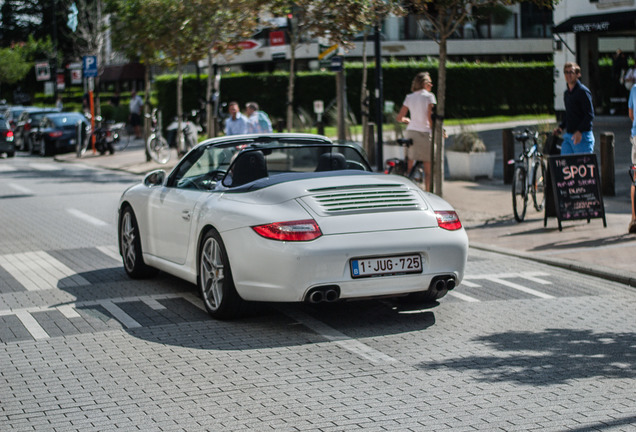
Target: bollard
x=508 y=142
x=607 y=164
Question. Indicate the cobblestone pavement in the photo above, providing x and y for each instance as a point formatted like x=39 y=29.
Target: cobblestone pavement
x=519 y=345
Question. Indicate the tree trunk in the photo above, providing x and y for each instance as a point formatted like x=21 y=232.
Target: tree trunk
x=438 y=163
x=146 y=108
x=292 y=78
x=180 y=138
x=364 y=98
x=210 y=126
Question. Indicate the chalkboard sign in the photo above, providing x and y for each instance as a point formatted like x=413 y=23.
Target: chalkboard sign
x=576 y=187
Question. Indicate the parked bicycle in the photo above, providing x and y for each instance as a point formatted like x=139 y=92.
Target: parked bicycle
x=188 y=138
x=156 y=145
x=400 y=166
x=529 y=178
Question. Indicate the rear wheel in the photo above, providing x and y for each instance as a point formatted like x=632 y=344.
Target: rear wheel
x=215 y=279
x=519 y=195
x=538 y=185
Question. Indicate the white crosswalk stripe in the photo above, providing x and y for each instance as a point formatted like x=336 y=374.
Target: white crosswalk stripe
x=7 y=168
x=37 y=271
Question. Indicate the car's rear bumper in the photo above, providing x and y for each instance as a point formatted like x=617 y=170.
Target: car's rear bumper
x=6 y=146
x=268 y=270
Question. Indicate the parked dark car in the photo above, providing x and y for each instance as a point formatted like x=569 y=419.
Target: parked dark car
x=27 y=124
x=58 y=133
x=7 y=144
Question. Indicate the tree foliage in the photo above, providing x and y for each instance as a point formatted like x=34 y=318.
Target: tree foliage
x=440 y=19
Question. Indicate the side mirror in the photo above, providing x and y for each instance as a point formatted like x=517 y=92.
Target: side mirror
x=155 y=178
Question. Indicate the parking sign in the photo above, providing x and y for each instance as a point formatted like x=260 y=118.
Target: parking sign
x=89 y=66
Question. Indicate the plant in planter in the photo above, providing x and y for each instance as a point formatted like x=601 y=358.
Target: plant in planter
x=468 y=159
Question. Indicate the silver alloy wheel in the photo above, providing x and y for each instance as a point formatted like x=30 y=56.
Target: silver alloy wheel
x=128 y=236
x=212 y=273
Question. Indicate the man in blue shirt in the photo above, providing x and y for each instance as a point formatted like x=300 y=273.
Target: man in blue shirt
x=579 y=113
x=236 y=124
x=631 y=104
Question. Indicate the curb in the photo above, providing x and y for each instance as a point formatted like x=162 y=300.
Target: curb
x=614 y=276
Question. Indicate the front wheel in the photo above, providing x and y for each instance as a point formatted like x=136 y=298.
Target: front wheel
x=130 y=246
x=538 y=185
x=215 y=279
x=519 y=195
x=158 y=149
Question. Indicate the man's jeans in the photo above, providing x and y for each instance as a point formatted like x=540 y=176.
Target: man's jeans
x=586 y=145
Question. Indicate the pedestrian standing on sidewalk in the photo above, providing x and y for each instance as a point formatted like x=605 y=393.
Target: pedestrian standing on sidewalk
x=257 y=121
x=236 y=123
x=419 y=104
x=579 y=113
x=135 y=106
x=631 y=104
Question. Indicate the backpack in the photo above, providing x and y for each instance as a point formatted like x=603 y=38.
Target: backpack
x=264 y=124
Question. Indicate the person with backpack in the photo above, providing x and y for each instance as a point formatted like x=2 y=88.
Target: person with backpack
x=257 y=121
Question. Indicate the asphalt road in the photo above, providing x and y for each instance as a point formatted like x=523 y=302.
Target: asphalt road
x=517 y=346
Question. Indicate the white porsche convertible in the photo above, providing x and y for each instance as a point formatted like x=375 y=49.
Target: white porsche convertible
x=289 y=218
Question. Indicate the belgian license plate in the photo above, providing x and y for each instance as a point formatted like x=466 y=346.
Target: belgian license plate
x=386 y=266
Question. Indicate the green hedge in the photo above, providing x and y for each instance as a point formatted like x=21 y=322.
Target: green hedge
x=473 y=90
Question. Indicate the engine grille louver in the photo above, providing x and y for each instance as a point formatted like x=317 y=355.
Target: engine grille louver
x=362 y=199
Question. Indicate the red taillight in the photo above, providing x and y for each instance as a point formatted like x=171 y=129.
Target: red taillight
x=448 y=220
x=55 y=134
x=9 y=135
x=302 y=230
x=27 y=126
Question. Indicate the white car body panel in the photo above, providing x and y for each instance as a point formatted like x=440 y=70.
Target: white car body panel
x=172 y=221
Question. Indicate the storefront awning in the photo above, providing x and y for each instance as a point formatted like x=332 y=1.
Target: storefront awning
x=601 y=23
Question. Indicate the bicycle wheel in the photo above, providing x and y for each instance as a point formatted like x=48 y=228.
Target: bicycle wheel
x=158 y=149
x=537 y=188
x=519 y=193
x=82 y=145
x=123 y=134
x=417 y=173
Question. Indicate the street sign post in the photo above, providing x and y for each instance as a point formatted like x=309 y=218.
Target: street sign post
x=89 y=66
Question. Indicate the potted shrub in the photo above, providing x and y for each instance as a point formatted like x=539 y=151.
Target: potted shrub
x=468 y=159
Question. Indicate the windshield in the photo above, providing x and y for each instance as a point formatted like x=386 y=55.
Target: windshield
x=238 y=164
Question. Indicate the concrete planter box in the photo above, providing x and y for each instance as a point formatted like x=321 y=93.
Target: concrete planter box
x=469 y=166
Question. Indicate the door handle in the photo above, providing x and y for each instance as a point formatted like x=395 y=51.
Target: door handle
x=186 y=215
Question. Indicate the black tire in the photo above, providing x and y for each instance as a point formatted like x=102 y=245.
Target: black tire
x=519 y=195
x=215 y=281
x=538 y=185
x=130 y=246
x=417 y=173
x=45 y=148
x=10 y=154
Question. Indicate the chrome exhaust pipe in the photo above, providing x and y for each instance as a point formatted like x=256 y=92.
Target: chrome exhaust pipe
x=331 y=295
x=450 y=283
x=316 y=296
x=439 y=284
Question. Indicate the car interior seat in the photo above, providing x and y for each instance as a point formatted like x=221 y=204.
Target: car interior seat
x=249 y=167
x=331 y=162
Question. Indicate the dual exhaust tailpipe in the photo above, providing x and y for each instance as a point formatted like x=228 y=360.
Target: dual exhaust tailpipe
x=328 y=293
x=443 y=282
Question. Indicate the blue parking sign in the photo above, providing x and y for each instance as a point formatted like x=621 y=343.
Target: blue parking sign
x=89 y=66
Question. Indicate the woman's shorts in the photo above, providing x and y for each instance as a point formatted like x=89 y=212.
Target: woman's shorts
x=633 y=140
x=421 y=148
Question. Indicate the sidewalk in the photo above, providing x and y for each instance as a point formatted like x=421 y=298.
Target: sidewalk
x=485 y=208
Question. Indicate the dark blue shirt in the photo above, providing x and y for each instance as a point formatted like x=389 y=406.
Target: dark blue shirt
x=579 y=111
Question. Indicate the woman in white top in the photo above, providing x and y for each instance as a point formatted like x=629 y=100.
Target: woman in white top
x=419 y=104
